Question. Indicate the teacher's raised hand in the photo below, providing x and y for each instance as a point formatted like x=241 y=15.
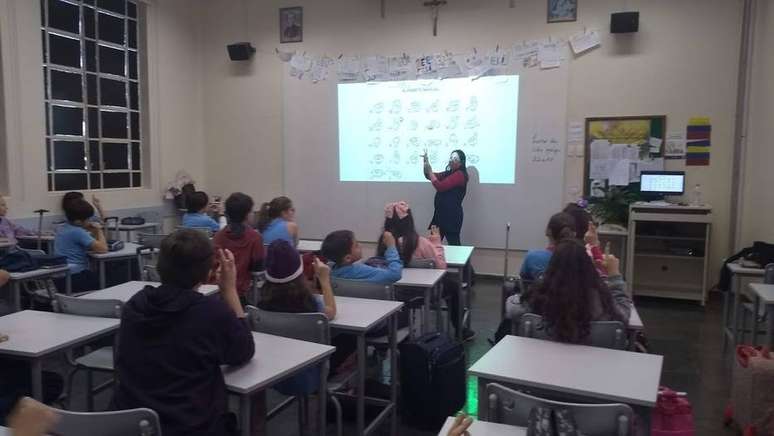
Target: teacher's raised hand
x=427 y=168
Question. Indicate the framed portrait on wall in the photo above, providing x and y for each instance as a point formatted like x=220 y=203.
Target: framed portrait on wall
x=560 y=11
x=291 y=24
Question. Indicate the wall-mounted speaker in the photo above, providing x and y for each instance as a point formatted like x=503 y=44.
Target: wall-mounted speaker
x=624 y=22
x=240 y=51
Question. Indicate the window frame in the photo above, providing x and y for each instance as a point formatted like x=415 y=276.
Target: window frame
x=135 y=141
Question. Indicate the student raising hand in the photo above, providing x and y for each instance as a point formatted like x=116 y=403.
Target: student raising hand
x=460 y=426
x=389 y=239
x=226 y=278
x=31 y=418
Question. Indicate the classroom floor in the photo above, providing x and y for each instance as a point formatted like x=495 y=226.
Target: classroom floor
x=685 y=333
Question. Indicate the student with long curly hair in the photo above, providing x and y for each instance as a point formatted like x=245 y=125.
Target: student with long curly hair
x=571 y=294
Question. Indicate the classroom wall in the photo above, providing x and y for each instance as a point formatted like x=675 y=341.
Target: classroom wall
x=757 y=223
x=682 y=63
x=175 y=95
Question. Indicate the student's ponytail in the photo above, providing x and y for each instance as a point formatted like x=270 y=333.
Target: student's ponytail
x=263 y=217
x=561 y=226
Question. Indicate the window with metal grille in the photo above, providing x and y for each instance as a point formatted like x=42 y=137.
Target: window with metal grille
x=93 y=80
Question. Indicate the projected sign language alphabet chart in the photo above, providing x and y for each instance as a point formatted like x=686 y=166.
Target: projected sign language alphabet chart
x=384 y=127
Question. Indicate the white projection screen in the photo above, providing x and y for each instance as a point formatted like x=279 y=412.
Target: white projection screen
x=522 y=185
x=384 y=127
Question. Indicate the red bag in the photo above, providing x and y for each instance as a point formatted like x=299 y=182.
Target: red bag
x=673 y=414
x=752 y=396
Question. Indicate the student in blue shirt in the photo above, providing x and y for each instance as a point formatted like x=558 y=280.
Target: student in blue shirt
x=197 y=212
x=75 y=239
x=561 y=226
x=276 y=220
x=342 y=248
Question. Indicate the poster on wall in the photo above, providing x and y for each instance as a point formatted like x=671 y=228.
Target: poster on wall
x=291 y=24
x=617 y=149
x=698 y=135
x=560 y=11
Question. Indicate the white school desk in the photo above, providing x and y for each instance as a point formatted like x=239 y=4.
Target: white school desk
x=41 y=273
x=47 y=239
x=483 y=428
x=457 y=256
x=763 y=294
x=578 y=372
x=306 y=246
x=738 y=273
x=357 y=316
x=129 y=228
x=129 y=252
x=33 y=335
x=125 y=291
x=276 y=358
x=428 y=280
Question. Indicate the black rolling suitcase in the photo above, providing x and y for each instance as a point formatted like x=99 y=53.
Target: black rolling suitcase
x=432 y=371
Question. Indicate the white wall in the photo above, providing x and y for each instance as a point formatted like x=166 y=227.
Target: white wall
x=758 y=216
x=682 y=63
x=175 y=95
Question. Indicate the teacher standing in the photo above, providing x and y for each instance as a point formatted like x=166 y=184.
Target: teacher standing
x=450 y=188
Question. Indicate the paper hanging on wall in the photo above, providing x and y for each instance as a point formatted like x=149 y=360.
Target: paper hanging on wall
x=374 y=68
x=575 y=131
x=498 y=58
x=674 y=148
x=320 y=66
x=655 y=144
x=284 y=56
x=549 y=56
x=399 y=67
x=600 y=149
x=526 y=53
x=300 y=64
x=620 y=172
x=445 y=65
x=425 y=67
x=348 y=68
x=698 y=135
x=599 y=169
x=584 y=41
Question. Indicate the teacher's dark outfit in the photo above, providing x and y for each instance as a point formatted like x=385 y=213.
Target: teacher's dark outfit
x=450 y=187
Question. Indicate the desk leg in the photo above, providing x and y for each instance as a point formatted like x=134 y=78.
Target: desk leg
x=643 y=413
x=438 y=291
x=467 y=300
x=360 y=391
x=394 y=374
x=102 y=280
x=483 y=401
x=769 y=326
x=129 y=269
x=322 y=398
x=735 y=314
x=68 y=282
x=36 y=366
x=756 y=308
x=252 y=414
x=16 y=291
x=426 y=311
x=461 y=309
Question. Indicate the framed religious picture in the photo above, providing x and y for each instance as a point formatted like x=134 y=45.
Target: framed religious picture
x=291 y=24
x=560 y=11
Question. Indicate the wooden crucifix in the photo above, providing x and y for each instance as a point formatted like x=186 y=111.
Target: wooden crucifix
x=435 y=5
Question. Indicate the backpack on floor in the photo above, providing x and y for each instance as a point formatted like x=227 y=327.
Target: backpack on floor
x=432 y=374
x=752 y=396
x=673 y=414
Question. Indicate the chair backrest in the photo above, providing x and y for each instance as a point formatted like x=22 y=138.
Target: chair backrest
x=151 y=240
x=422 y=263
x=87 y=307
x=604 y=334
x=507 y=406
x=310 y=327
x=768 y=274
x=362 y=289
x=140 y=422
x=205 y=230
x=32 y=252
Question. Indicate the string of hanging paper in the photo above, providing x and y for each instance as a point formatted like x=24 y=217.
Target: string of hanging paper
x=544 y=54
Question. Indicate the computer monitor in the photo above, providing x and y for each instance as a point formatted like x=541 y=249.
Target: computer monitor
x=662 y=183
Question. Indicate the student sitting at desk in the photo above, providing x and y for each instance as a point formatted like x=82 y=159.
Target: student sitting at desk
x=571 y=294
x=9 y=230
x=242 y=240
x=586 y=231
x=74 y=240
x=561 y=226
x=399 y=221
x=287 y=291
x=173 y=340
x=341 y=248
x=276 y=220
x=198 y=204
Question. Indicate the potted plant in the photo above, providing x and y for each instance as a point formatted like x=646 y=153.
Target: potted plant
x=613 y=206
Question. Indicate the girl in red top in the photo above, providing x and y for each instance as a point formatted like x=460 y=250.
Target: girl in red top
x=242 y=240
x=450 y=186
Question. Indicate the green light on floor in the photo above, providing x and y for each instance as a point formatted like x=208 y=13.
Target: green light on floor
x=471 y=407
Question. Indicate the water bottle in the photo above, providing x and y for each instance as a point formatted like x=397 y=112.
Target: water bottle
x=696 y=197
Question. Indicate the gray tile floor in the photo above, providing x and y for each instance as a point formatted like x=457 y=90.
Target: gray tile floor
x=687 y=334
